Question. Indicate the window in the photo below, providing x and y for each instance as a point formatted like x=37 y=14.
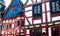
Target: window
x=7 y=27
x=55 y=7
x=14 y=9
x=37 y=10
x=10 y=25
x=55 y=31
x=18 y=23
x=22 y=24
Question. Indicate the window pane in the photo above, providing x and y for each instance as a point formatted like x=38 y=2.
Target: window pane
x=35 y=10
x=22 y=23
x=53 y=6
x=38 y=9
x=18 y=23
x=57 y=6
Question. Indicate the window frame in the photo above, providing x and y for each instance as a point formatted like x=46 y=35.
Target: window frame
x=55 y=12
x=22 y=23
x=37 y=14
x=18 y=23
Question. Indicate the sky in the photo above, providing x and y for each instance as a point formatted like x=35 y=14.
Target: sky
x=7 y=2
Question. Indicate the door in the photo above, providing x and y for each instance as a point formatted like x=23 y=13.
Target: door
x=35 y=32
x=38 y=32
x=32 y=33
x=55 y=31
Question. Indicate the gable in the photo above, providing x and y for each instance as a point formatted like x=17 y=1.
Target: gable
x=13 y=12
x=16 y=3
x=14 y=9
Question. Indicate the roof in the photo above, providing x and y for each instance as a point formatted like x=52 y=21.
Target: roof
x=16 y=3
x=12 y=12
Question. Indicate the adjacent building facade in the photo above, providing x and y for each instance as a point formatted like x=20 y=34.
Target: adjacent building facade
x=35 y=18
